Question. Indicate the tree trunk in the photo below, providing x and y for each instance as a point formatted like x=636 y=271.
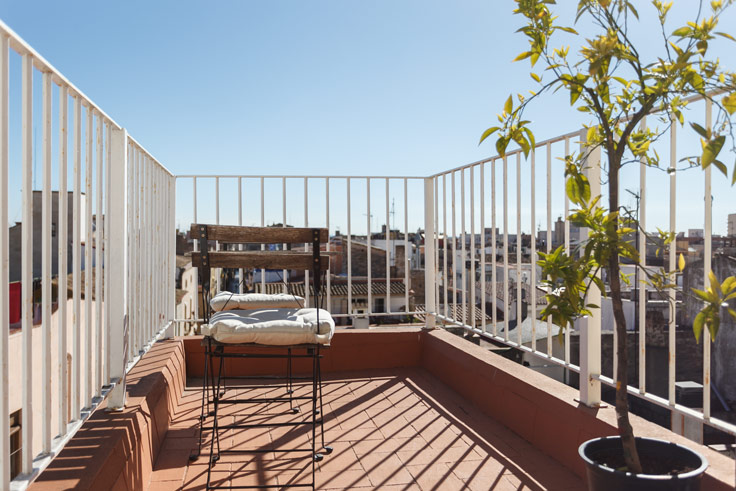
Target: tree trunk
x=631 y=455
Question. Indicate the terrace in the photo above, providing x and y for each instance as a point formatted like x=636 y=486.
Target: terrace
x=405 y=407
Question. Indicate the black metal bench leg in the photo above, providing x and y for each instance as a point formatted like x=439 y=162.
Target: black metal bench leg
x=205 y=403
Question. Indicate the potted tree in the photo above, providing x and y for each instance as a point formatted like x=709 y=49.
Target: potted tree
x=608 y=79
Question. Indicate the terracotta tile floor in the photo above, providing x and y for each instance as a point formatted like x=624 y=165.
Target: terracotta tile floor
x=398 y=430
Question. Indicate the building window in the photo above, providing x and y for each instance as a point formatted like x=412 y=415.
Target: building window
x=380 y=305
x=15 y=443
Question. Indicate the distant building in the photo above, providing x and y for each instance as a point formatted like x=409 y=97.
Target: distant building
x=16 y=233
x=695 y=232
x=731 y=228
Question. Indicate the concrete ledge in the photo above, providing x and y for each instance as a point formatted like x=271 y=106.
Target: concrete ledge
x=539 y=409
x=117 y=450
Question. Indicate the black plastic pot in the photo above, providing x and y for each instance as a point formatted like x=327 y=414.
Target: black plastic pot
x=602 y=478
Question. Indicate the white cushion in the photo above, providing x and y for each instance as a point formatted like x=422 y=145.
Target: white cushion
x=276 y=327
x=249 y=301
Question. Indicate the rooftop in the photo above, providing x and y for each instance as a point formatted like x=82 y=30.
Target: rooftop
x=404 y=409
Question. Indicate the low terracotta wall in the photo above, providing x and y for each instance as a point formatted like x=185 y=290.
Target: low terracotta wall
x=350 y=350
x=116 y=450
x=539 y=409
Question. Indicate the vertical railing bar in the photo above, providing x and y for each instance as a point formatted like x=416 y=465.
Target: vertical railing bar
x=350 y=254
x=471 y=171
x=671 y=334
x=160 y=241
x=483 y=245
x=436 y=241
x=98 y=260
x=454 y=250
x=133 y=252
x=387 y=239
x=4 y=265
x=130 y=221
x=152 y=253
x=506 y=304
x=284 y=273
x=217 y=271
x=76 y=255
x=407 y=252
x=144 y=256
x=149 y=254
x=549 y=236
x=519 y=248
x=137 y=314
x=463 y=278
x=139 y=310
x=263 y=224
x=62 y=269
x=445 y=245
x=494 y=286
x=327 y=246
x=567 y=250
x=241 y=271
x=306 y=244
x=88 y=288
x=642 y=226
x=368 y=246
x=707 y=255
x=533 y=256
x=106 y=241
x=195 y=248
x=130 y=192
x=27 y=262
x=171 y=200
x=46 y=267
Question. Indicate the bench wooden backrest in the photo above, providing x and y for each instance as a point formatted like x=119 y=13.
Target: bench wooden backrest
x=234 y=234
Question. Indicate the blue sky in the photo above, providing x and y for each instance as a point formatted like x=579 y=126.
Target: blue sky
x=294 y=87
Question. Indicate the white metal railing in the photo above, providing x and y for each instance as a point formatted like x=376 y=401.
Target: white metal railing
x=122 y=252
x=456 y=276
x=321 y=201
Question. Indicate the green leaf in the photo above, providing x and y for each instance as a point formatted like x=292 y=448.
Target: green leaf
x=509 y=106
x=721 y=166
x=681 y=32
x=711 y=151
x=725 y=35
x=704 y=296
x=699 y=130
x=682 y=262
x=501 y=145
x=567 y=29
x=536 y=77
x=713 y=326
x=729 y=103
x=488 y=133
x=732 y=313
x=714 y=283
x=522 y=56
x=698 y=325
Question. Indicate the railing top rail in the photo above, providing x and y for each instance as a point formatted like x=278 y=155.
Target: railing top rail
x=148 y=154
x=559 y=138
x=21 y=47
x=555 y=139
x=295 y=176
